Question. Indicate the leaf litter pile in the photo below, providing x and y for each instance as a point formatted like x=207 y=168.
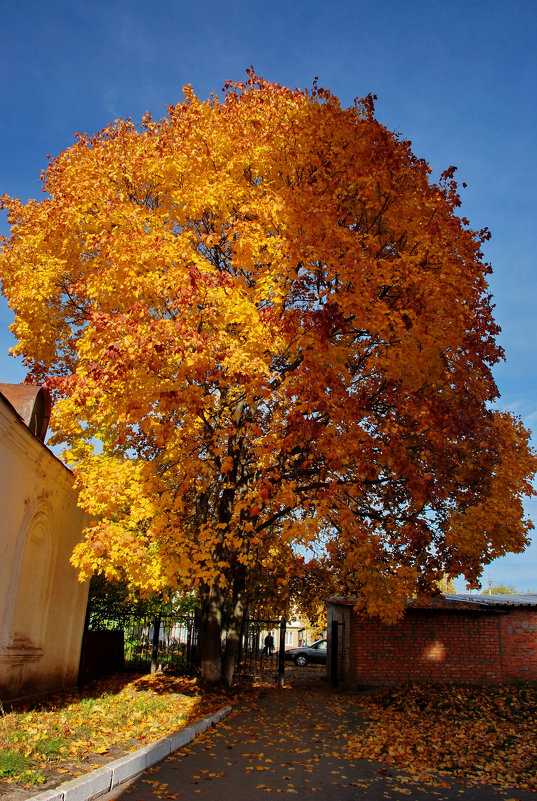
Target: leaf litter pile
x=71 y=733
x=475 y=734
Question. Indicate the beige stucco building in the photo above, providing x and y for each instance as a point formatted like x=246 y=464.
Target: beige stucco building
x=42 y=603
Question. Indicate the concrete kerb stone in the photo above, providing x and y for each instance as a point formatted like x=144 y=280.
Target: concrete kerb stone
x=90 y=786
x=49 y=795
x=102 y=780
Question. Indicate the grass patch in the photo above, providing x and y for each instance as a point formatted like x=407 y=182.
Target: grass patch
x=13 y=763
x=50 y=747
x=71 y=733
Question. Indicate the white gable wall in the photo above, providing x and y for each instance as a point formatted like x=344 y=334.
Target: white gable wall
x=42 y=603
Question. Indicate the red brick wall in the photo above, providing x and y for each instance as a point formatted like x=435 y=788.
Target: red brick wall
x=445 y=646
x=519 y=645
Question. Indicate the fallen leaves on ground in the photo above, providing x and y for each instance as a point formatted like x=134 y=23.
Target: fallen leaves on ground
x=71 y=733
x=477 y=734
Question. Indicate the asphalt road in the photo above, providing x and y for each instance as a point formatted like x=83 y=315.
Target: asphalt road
x=291 y=743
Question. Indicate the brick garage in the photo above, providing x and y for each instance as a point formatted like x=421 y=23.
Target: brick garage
x=474 y=639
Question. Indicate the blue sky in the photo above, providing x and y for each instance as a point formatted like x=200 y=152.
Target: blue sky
x=458 y=79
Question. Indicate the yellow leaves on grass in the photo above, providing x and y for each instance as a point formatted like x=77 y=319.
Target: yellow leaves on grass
x=70 y=733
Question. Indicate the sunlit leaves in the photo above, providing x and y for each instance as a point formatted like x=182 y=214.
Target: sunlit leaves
x=477 y=734
x=72 y=733
x=266 y=332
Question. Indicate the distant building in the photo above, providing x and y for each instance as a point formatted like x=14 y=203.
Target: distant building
x=42 y=603
x=473 y=639
x=297 y=632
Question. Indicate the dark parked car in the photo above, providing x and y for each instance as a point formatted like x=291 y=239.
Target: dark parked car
x=314 y=653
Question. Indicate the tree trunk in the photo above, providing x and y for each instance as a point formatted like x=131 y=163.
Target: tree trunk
x=211 y=637
x=235 y=626
x=232 y=642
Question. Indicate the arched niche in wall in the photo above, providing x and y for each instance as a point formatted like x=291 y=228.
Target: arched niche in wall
x=30 y=587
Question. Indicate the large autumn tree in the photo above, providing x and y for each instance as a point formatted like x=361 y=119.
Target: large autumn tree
x=267 y=331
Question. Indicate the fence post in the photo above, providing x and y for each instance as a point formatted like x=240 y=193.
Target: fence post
x=281 y=654
x=154 y=649
x=243 y=638
x=334 y=647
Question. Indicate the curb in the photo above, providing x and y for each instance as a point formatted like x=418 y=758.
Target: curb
x=102 y=780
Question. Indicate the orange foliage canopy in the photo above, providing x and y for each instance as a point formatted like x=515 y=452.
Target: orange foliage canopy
x=278 y=333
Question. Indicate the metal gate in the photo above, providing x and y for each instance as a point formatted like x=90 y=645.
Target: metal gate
x=262 y=649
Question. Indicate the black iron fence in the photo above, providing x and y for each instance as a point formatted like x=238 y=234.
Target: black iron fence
x=172 y=643
x=141 y=644
x=162 y=643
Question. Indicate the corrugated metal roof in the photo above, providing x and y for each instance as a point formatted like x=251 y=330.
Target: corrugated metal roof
x=527 y=599
x=457 y=601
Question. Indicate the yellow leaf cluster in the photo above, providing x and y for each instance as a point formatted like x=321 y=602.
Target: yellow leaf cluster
x=266 y=330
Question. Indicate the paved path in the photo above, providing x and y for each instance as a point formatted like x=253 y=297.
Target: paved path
x=288 y=743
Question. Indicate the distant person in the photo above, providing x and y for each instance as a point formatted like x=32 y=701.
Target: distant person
x=269 y=645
